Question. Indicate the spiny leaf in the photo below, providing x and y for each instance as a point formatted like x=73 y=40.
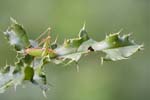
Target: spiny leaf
x=17 y=36
x=8 y=78
x=117 y=47
x=121 y=52
x=83 y=34
x=39 y=78
x=69 y=50
x=114 y=46
x=31 y=58
x=76 y=42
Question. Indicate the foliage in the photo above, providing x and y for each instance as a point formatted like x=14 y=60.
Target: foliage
x=31 y=56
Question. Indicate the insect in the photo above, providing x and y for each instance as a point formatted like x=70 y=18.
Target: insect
x=42 y=51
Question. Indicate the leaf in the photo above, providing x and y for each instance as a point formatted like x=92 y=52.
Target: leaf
x=8 y=78
x=117 y=47
x=39 y=78
x=83 y=34
x=114 y=46
x=28 y=73
x=30 y=67
x=86 y=45
x=121 y=53
x=41 y=81
x=69 y=50
x=76 y=42
x=17 y=36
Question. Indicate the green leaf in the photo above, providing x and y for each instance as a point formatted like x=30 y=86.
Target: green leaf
x=114 y=46
x=76 y=42
x=85 y=46
x=117 y=47
x=30 y=68
x=69 y=50
x=17 y=36
x=28 y=73
x=39 y=78
x=121 y=52
x=8 y=78
x=83 y=34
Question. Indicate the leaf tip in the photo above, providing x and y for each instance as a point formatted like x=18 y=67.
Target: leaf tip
x=84 y=24
x=102 y=60
x=44 y=94
x=78 y=68
x=13 y=20
x=141 y=47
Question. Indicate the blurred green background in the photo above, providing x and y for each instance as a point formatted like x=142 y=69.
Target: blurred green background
x=122 y=80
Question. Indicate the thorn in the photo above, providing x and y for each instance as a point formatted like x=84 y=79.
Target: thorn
x=13 y=20
x=78 y=69
x=44 y=94
x=131 y=33
x=141 y=46
x=48 y=30
x=15 y=88
x=69 y=62
x=106 y=35
x=83 y=28
x=6 y=63
x=102 y=60
x=56 y=39
x=127 y=36
x=119 y=31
